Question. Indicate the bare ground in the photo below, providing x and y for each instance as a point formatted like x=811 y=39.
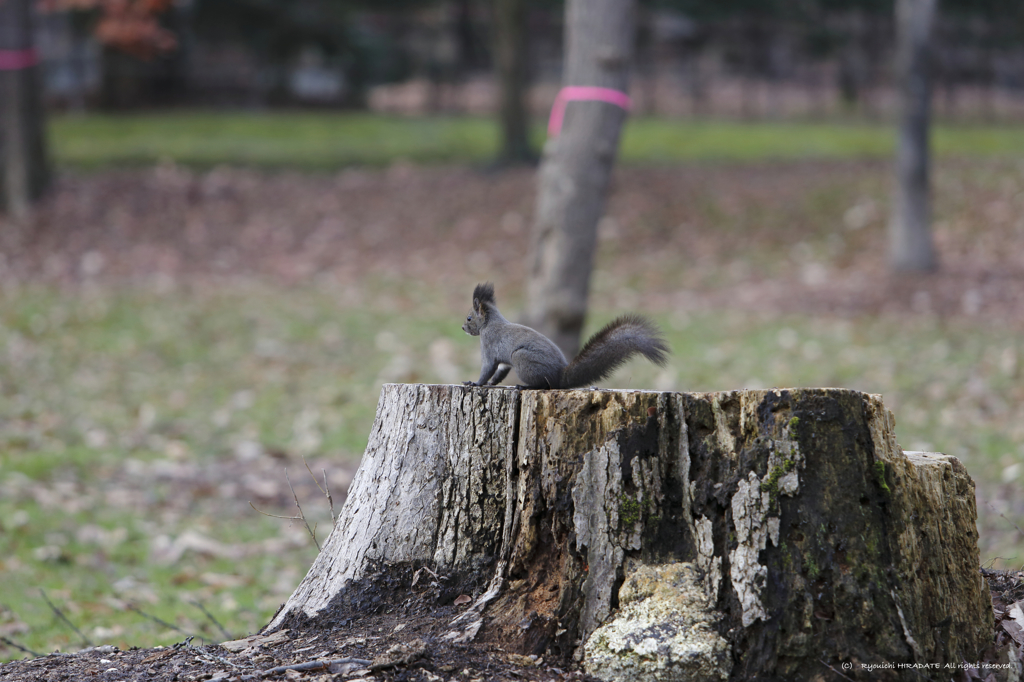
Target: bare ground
x=355 y=652
x=786 y=237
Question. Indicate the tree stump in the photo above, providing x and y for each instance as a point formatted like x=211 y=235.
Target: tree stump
x=661 y=536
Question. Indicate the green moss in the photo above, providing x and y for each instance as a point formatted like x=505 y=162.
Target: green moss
x=793 y=422
x=871 y=544
x=879 y=468
x=813 y=571
x=629 y=510
x=770 y=484
x=787 y=559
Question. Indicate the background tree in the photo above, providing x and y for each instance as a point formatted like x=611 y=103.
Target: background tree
x=24 y=170
x=511 y=61
x=910 y=238
x=128 y=25
x=576 y=169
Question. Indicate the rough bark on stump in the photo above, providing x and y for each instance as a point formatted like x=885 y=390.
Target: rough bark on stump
x=740 y=535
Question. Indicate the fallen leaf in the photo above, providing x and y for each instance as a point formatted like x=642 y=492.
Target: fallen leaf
x=462 y=599
x=1017 y=613
x=1014 y=631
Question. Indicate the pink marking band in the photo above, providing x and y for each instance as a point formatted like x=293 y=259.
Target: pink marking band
x=576 y=93
x=16 y=60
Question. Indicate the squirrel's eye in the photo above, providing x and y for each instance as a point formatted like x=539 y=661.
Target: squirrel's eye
x=469 y=318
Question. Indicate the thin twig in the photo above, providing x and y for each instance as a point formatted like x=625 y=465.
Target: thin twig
x=132 y=607
x=12 y=643
x=312 y=531
x=213 y=620
x=1013 y=524
x=64 y=618
x=212 y=658
x=302 y=516
x=330 y=500
x=275 y=516
x=315 y=482
x=1003 y=516
x=991 y=562
x=325 y=490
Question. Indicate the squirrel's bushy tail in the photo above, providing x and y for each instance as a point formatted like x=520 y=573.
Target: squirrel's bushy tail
x=608 y=349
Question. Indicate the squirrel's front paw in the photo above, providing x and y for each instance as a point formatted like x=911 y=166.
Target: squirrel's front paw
x=470 y=383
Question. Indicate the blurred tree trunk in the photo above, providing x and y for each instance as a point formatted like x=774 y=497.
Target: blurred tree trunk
x=468 y=45
x=645 y=63
x=24 y=172
x=576 y=169
x=853 y=61
x=511 y=57
x=910 y=238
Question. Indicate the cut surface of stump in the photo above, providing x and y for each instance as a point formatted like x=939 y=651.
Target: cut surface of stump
x=761 y=534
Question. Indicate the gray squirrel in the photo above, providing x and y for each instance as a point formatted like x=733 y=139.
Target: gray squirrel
x=540 y=363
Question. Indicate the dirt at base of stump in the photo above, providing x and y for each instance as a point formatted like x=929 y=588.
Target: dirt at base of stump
x=393 y=656
x=401 y=645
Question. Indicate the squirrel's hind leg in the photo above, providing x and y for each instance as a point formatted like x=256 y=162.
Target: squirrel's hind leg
x=535 y=373
x=500 y=375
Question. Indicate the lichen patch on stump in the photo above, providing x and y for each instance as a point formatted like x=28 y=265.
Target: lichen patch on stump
x=664 y=631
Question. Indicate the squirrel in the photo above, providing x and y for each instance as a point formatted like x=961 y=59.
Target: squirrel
x=540 y=363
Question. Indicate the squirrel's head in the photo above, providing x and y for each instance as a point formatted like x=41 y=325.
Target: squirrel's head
x=483 y=301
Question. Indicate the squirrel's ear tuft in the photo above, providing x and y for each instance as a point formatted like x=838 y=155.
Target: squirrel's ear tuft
x=484 y=293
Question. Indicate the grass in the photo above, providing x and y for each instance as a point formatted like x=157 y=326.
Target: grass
x=110 y=394
x=327 y=141
x=311 y=141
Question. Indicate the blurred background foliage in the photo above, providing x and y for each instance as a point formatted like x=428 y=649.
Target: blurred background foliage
x=691 y=52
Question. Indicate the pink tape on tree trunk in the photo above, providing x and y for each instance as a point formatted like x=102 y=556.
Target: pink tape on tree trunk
x=16 y=60
x=588 y=93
